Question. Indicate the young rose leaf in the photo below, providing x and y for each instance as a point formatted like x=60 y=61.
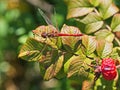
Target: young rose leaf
x=89 y=44
x=104 y=48
x=81 y=53
x=77 y=8
x=32 y=50
x=49 y=72
x=93 y=22
x=115 y=53
x=77 y=12
x=70 y=40
x=53 y=69
x=90 y=28
x=58 y=65
x=107 y=9
x=66 y=66
x=104 y=5
x=69 y=55
x=115 y=24
x=41 y=34
x=91 y=18
x=105 y=34
x=76 y=66
x=111 y=11
x=95 y=2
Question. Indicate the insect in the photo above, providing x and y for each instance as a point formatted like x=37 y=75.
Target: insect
x=51 y=31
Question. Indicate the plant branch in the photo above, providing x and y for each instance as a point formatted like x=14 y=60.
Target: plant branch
x=117 y=40
x=108 y=27
x=96 y=11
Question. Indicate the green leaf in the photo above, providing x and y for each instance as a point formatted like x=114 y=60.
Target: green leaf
x=104 y=48
x=67 y=65
x=105 y=34
x=89 y=44
x=90 y=28
x=77 y=8
x=111 y=11
x=42 y=69
x=70 y=40
x=104 y=5
x=59 y=42
x=115 y=53
x=32 y=50
x=58 y=65
x=95 y=2
x=107 y=9
x=115 y=24
x=91 y=18
x=49 y=72
x=76 y=66
x=93 y=22
x=39 y=31
x=53 y=69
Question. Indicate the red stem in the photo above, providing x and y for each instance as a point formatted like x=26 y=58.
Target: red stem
x=62 y=34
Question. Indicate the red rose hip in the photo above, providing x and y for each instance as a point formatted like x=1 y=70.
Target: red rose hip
x=108 y=69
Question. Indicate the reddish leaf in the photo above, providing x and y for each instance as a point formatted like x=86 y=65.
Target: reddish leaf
x=70 y=40
x=77 y=8
x=46 y=29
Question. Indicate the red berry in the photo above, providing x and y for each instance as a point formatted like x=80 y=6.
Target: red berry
x=108 y=69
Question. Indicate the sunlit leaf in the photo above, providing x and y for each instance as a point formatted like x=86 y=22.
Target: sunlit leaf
x=104 y=48
x=33 y=49
x=67 y=65
x=95 y=2
x=115 y=53
x=90 y=28
x=115 y=24
x=93 y=22
x=89 y=44
x=104 y=5
x=111 y=11
x=70 y=40
x=41 y=34
x=58 y=65
x=77 y=12
x=105 y=34
x=53 y=69
x=77 y=8
x=91 y=18
x=49 y=72
x=81 y=53
x=76 y=66
x=107 y=9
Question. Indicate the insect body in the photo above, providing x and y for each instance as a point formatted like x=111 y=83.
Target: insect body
x=51 y=31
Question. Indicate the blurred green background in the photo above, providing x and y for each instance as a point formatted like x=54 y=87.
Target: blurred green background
x=17 y=19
